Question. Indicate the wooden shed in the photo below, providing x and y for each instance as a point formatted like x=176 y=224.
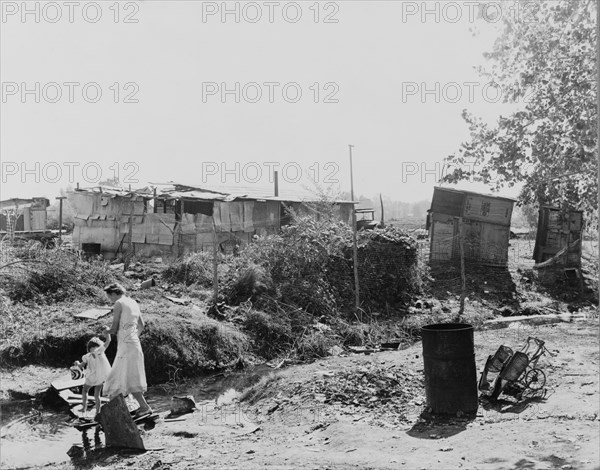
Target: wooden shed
x=24 y=215
x=482 y=220
x=559 y=233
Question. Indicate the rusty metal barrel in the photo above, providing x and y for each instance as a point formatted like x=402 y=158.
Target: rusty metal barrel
x=449 y=368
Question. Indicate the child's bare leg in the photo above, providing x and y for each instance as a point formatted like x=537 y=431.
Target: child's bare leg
x=84 y=398
x=97 y=392
x=139 y=396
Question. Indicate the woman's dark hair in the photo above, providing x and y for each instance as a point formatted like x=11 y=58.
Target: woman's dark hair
x=94 y=343
x=115 y=288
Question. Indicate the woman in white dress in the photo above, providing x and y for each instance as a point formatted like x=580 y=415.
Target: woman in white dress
x=128 y=375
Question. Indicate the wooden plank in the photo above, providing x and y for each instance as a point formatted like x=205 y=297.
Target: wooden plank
x=88 y=424
x=76 y=398
x=442 y=240
x=94 y=313
x=565 y=317
x=66 y=381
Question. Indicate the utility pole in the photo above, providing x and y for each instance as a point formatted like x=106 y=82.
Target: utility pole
x=60 y=212
x=354 y=242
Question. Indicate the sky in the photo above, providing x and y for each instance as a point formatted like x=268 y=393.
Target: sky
x=221 y=94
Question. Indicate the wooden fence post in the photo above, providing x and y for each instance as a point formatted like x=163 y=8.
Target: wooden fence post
x=463 y=277
x=215 y=265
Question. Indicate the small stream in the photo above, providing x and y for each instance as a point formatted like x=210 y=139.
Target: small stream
x=33 y=436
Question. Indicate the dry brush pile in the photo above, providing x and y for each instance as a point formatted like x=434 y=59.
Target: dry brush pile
x=386 y=394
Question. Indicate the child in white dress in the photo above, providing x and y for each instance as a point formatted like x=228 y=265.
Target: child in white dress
x=97 y=369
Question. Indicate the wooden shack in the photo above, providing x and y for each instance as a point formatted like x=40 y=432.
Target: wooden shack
x=559 y=233
x=24 y=215
x=482 y=221
x=173 y=220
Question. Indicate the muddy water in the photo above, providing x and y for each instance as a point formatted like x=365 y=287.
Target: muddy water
x=33 y=436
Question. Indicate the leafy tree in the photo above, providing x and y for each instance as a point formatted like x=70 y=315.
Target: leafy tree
x=545 y=61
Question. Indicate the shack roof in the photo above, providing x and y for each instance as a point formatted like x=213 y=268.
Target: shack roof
x=474 y=193
x=179 y=191
x=20 y=203
x=473 y=205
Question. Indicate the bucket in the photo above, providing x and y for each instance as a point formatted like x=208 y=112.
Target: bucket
x=449 y=368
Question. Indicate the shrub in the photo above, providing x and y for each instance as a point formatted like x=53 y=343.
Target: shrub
x=54 y=275
x=187 y=346
x=272 y=333
x=314 y=345
x=194 y=268
x=243 y=281
x=310 y=266
x=294 y=261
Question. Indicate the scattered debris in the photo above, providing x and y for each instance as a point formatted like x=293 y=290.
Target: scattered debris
x=182 y=405
x=362 y=349
x=65 y=382
x=75 y=451
x=177 y=300
x=148 y=283
x=94 y=313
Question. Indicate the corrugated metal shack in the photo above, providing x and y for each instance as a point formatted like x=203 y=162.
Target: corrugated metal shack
x=485 y=222
x=557 y=231
x=176 y=219
x=25 y=215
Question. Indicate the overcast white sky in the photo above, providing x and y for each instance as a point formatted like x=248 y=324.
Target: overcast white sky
x=369 y=68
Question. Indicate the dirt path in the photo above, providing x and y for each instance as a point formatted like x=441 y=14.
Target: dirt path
x=289 y=428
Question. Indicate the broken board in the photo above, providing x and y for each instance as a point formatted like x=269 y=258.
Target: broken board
x=82 y=425
x=66 y=382
x=76 y=398
x=94 y=313
x=177 y=300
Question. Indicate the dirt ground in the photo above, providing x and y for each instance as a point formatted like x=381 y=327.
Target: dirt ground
x=291 y=427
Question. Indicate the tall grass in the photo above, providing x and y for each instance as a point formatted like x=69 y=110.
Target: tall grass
x=50 y=275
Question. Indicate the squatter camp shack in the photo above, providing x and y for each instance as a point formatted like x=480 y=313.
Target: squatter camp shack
x=559 y=237
x=23 y=215
x=483 y=220
x=177 y=219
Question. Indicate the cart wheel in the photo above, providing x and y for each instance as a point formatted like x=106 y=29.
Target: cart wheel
x=534 y=379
